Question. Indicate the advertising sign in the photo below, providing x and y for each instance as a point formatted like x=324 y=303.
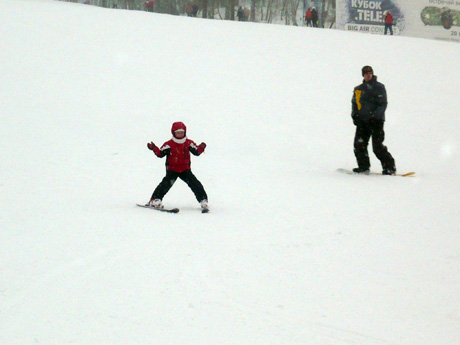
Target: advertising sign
x=436 y=19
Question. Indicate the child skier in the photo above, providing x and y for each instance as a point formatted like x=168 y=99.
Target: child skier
x=178 y=164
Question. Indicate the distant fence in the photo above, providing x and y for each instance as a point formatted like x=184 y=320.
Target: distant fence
x=434 y=19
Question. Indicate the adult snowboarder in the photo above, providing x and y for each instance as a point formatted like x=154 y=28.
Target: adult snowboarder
x=240 y=14
x=389 y=23
x=308 y=16
x=178 y=164
x=368 y=113
x=314 y=17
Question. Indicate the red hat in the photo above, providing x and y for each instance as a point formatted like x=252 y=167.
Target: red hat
x=178 y=126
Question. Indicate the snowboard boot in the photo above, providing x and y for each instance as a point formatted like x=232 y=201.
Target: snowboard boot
x=155 y=203
x=389 y=171
x=364 y=171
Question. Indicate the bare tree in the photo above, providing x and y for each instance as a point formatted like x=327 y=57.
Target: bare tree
x=218 y=6
x=253 y=11
x=269 y=11
x=294 y=8
x=284 y=12
x=204 y=8
x=328 y=11
x=230 y=9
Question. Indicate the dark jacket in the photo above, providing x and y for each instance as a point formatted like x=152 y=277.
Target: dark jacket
x=369 y=102
x=314 y=15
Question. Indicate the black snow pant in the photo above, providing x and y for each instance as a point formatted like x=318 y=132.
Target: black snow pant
x=363 y=133
x=389 y=27
x=186 y=176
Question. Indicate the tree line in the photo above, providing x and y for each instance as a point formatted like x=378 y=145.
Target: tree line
x=288 y=12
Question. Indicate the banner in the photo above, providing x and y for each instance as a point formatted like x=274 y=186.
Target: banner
x=435 y=19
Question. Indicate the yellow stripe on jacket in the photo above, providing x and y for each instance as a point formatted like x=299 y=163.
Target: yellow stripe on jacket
x=358 y=98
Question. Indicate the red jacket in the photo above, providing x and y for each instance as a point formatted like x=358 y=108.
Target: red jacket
x=178 y=150
x=389 y=18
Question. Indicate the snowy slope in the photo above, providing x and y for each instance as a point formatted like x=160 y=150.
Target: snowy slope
x=292 y=252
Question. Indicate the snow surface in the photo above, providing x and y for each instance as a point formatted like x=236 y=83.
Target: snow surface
x=292 y=252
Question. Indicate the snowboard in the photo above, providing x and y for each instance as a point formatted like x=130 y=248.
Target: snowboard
x=350 y=172
x=167 y=210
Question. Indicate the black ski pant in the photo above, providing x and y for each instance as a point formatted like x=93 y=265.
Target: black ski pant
x=389 y=27
x=364 y=131
x=186 y=176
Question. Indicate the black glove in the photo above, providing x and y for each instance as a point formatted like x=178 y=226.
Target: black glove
x=202 y=146
x=356 y=122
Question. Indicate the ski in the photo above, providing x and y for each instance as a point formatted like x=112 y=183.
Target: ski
x=168 y=210
x=350 y=172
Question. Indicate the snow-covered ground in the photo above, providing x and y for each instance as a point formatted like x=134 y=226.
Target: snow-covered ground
x=292 y=252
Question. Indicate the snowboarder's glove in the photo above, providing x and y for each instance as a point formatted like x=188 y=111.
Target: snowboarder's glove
x=202 y=146
x=151 y=146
